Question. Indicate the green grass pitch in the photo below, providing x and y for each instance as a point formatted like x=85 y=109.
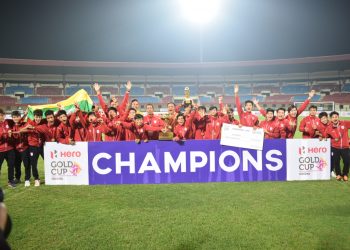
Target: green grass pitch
x=258 y=215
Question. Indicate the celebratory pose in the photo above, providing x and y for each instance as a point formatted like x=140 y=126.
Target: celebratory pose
x=245 y=118
x=338 y=132
x=308 y=124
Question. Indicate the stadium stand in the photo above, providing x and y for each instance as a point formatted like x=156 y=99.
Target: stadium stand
x=209 y=89
x=146 y=99
x=112 y=90
x=279 y=99
x=295 y=89
x=151 y=89
x=257 y=89
x=7 y=100
x=49 y=90
x=243 y=90
x=337 y=98
x=136 y=90
x=179 y=90
x=55 y=99
x=34 y=100
x=346 y=88
x=12 y=90
x=301 y=98
x=332 y=87
x=70 y=90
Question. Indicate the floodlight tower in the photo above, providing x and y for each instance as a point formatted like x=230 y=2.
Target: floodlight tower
x=200 y=12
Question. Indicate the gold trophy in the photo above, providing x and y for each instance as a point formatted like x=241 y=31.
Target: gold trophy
x=187 y=100
x=168 y=135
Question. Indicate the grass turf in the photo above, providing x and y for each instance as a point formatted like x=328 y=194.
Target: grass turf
x=260 y=215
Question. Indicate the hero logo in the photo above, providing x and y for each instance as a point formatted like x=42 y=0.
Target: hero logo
x=312 y=150
x=64 y=154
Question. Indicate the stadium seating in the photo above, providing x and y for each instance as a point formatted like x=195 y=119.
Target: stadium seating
x=74 y=88
x=337 y=98
x=180 y=90
x=136 y=90
x=257 y=89
x=8 y=100
x=333 y=87
x=49 y=90
x=301 y=98
x=204 y=89
x=34 y=100
x=11 y=90
x=113 y=90
x=152 y=89
x=346 y=87
x=243 y=90
x=146 y=99
x=279 y=99
x=54 y=99
x=295 y=89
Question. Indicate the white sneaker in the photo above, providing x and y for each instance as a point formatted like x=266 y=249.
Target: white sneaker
x=27 y=183
x=333 y=174
x=37 y=183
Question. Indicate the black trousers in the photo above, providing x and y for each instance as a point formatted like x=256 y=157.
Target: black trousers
x=10 y=159
x=34 y=153
x=19 y=158
x=344 y=154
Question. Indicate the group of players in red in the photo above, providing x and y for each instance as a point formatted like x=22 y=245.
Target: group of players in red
x=22 y=139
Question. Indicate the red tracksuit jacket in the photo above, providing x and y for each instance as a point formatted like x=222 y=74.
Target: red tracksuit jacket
x=246 y=118
x=306 y=126
x=213 y=126
x=339 y=134
x=271 y=130
x=6 y=142
x=293 y=121
x=20 y=140
x=154 y=121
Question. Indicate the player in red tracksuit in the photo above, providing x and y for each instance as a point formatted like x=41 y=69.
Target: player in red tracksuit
x=6 y=147
x=77 y=123
x=322 y=125
x=64 y=132
x=271 y=131
x=95 y=127
x=308 y=124
x=21 y=146
x=117 y=131
x=139 y=129
x=183 y=127
x=170 y=117
x=338 y=131
x=36 y=141
x=153 y=120
x=279 y=122
x=293 y=114
x=245 y=118
x=200 y=122
x=114 y=101
x=129 y=117
x=214 y=123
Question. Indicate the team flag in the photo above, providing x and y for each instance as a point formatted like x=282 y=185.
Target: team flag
x=81 y=97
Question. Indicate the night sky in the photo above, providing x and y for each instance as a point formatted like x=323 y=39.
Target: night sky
x=155 y=30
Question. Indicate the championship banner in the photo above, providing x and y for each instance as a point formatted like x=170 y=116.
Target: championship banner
x=244 y=137
x=308 y=159
x=190 y=161
x=66 y=164
x=81 y=97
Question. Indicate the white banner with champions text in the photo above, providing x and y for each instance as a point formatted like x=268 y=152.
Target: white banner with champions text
x=66 y=164
x=308 y=159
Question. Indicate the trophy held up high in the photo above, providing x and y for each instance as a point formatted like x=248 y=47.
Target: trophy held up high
x=187 y=99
